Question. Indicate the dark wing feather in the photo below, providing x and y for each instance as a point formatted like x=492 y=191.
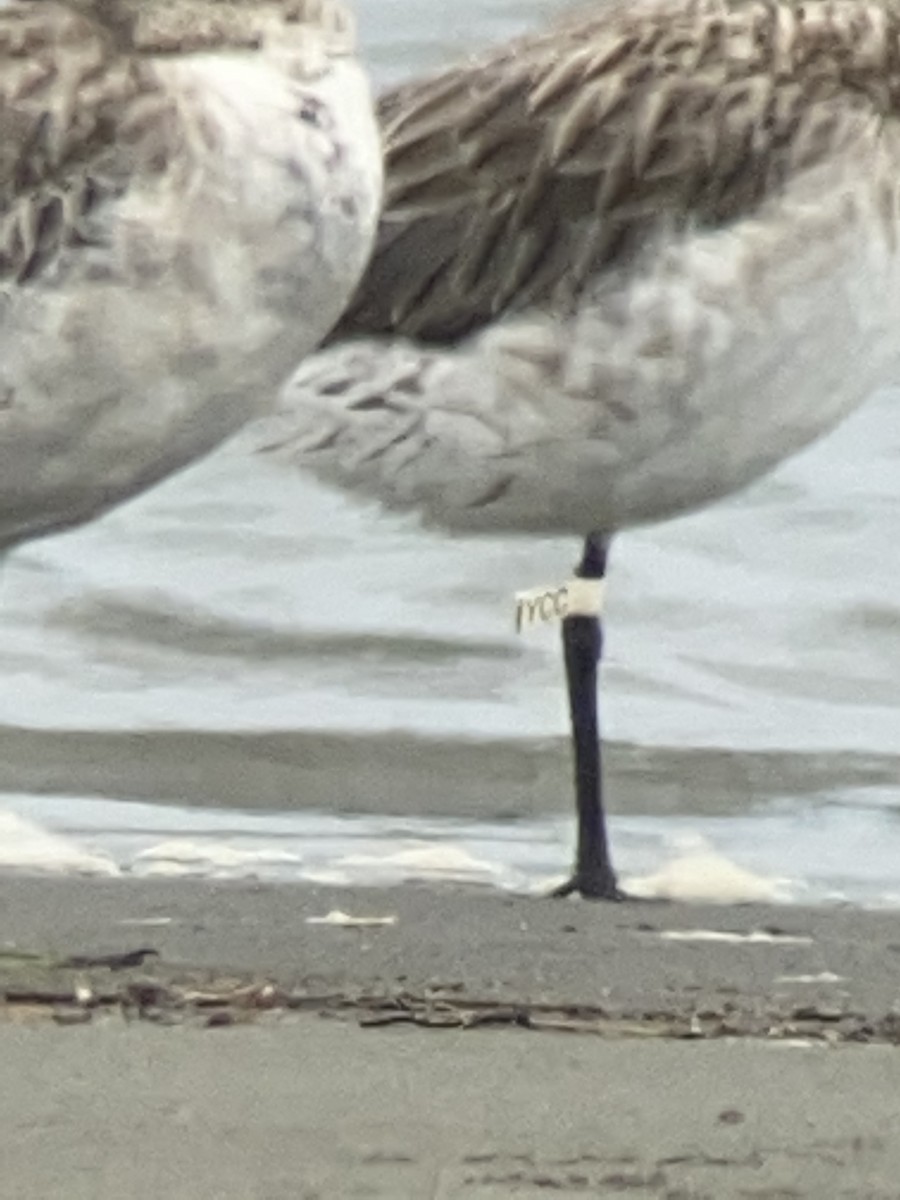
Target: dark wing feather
x=517 y=178
x=63 y=114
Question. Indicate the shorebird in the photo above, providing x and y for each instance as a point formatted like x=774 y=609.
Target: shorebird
x=626 y=265
x=189 y=192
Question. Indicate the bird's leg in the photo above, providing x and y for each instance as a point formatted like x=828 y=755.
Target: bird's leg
x=583 y=648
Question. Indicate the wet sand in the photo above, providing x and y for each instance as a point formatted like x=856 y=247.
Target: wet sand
x=479 y=1046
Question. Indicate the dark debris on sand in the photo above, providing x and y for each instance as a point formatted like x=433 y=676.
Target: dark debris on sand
x=81 y=988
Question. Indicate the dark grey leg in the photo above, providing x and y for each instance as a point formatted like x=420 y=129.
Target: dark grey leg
x=583 y=647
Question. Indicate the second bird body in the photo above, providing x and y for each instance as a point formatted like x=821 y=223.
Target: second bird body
x=188 y=194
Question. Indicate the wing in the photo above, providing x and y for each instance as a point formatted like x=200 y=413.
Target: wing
x=62 y=88
x=519 y=177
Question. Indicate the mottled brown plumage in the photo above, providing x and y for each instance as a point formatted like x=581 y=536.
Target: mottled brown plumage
x=65 y=136
x=516 y=178
x=82 y=111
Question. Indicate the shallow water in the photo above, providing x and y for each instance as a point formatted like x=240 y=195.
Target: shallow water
x=215 y=678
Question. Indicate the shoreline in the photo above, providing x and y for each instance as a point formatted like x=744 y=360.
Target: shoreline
x=669 y=969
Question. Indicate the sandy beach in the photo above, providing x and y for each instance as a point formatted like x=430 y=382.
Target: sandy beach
x=187 y=1038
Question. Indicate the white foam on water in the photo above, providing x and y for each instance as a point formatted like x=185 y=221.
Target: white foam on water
x=27 y=846
x=704 y=876
x=208 y=859
x=786 y=856
x=423 y=862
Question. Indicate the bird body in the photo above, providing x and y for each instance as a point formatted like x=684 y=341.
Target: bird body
x=625 y=267
x=188 y=194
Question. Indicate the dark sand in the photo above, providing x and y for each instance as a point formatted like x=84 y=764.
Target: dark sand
x=482 y=1047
